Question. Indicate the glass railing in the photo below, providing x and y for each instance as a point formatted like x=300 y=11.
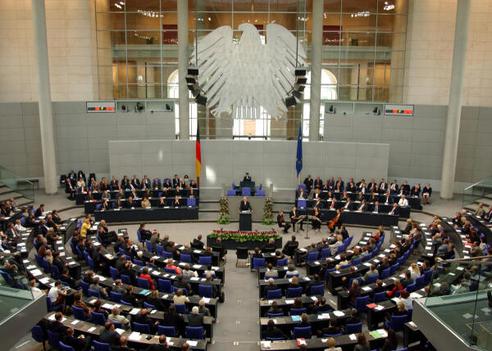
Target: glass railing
x=460 y=295
x=15 y=293
x=478 y=192
x=18 y=184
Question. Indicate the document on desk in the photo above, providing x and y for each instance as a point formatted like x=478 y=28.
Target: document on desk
x=134 y=336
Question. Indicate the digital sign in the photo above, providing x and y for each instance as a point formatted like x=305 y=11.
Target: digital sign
x=100 y=106
x=399 y=110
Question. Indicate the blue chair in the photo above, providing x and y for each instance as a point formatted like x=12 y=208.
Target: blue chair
x=191 y=202
x=141 y=328
x=257 y=262
x=115 y=274
x=331 y=335
x=181 y=308
x=282 y=262
x=246 y=191
x=380 y=296
x=396 y=323
x=148 y=246
x=205 y=290
x=115 y=296
x=64 y=347
x=353 y=328
x=411 y=287
x=278 y=338
x=394 y=268
x=274 y=294
x=356 y=261
x=371 y=279
x=195 y=333
x=275 y=314
x=139 y=236
x=361 y=302
x=53 y=339
x=100 y=346
x=297 y=311
x=148 y=305
x=167 y=254
x=126 y=303
x=420 y=282
x=125 y=278
x=205 y=260
x=38 y=335
x=294 y=292
x=184 y=257
x=138 y=262
x=164 y=285
x=78 y=313
x=160 y=250
x=385 y=273
x=90 y=263
x=55 y=272
x=312 y=256
x=301 y=204
x=260 y=192
x=302 y=332
x=143 y=283
x=93 y=293
x=167 y=330
x=231 y=192
x=317 y=289
x=428 y=276
x=324 y=253
x=98 y=318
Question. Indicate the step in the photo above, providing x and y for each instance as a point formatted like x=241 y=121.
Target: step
x=209 y=206
x=24 y=202
x=9 y=195
x=5 y=190
x=208 y=210
x=484 y=200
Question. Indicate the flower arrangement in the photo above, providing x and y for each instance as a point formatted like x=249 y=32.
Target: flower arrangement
x=241 y=236
x=224 y=217
x=268 y=211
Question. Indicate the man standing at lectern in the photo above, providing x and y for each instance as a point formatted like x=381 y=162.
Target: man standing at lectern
x=245 y=205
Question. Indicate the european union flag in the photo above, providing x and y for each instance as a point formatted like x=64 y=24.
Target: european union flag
x=299 y=152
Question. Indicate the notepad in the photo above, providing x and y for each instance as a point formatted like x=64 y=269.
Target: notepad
x=36 y=272
x=266 y=344
x=134 y=311
x=353 y=337
x=91 y=329
x=339 y=313
x=120 y=331
x=135 y=336
x=324 y=316
x=192 y=343
x=75 y=322
x=379 y=308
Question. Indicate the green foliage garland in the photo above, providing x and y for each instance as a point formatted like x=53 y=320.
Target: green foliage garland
x=242 y=237
x=224 y=217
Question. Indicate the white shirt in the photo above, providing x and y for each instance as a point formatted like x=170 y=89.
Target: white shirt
x=53 y=294
x=19 y=227
x=403 y=202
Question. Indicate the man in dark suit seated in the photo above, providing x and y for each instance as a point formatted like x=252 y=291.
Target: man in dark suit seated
x=197 y=243
x=81 y=343
x=195 y=318
x=281 y=222
x=291 y=246
x=245 y=205
x=308 y=182
x=247 y=178
x=296 y=218
x=272 y=332
x=161 y=346
x=57 y=325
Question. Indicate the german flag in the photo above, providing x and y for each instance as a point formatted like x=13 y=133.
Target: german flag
x=198 y=155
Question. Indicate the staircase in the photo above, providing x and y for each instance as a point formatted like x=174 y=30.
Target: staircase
x=15 y=187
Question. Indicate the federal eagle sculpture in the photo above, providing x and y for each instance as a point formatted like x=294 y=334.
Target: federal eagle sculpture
x=239 y=76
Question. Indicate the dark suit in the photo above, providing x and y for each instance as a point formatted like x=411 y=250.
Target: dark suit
x=157 y=347
x=110 y=337
x=293 y=219
x=245 y=206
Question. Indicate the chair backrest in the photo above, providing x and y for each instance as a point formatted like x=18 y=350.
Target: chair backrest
x=195 y=332
x=191 y=202
x=115 y=296
x=184 y=257
x=64 y=347
x=205 y=290
x=164 y=285
x=205 y=260
x=297 y=311
x=100 y=346
x=149 y=246
x=143 y=283
x=274 y=294
x=324 y=253
x=98 y=318
x=85 y=287
x=242 y=253
x=397 y=322
x=167 y=330
x=94 y=293
x=317 y=289
x=302 y=332
x=138 y=262
x=148 y=305
x=125 y=278
x=294 y=292
x=380 y=296
x=181 y=308
x=246 y=191
x=420 y=282
x=312 y=256
x=385 y=273
x=115 y=274
x=55 y=272
x=141 y=328
x=78 y=313
x=301 y=204
x=361 y=302
x=53 y=339
x=258 y=262
x=353 y=328
x=411 y=287
x=282 y=262
x=37 y=333
x=275 y=314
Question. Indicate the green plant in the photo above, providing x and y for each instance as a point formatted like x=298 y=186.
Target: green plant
x=268 y=211
x=224 y=217
x=242 y=237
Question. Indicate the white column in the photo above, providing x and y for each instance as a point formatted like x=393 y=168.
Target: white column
x=183 y=58
x=44 y=97
x=455 y=100
x=316 y=48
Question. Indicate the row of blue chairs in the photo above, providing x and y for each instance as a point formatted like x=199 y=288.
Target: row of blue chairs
x=313 y=290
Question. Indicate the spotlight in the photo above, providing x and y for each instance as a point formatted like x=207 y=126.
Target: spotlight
x=290 y=101
x=332 y=110
x=201 y=100
x=376 y=111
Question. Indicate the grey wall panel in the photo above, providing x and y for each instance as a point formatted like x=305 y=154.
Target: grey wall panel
x=268 y=162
